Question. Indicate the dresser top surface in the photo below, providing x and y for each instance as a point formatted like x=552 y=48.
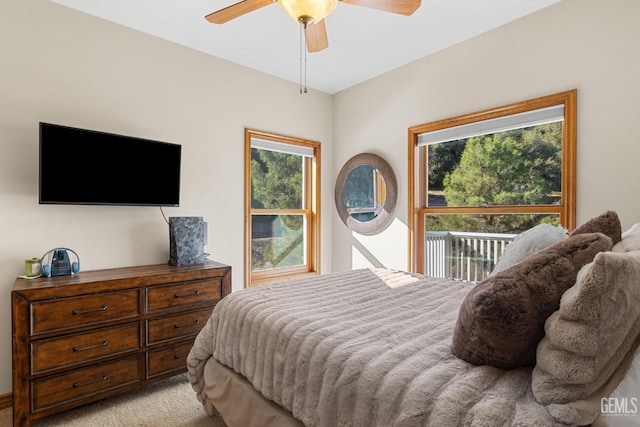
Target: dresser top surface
x=144 y=274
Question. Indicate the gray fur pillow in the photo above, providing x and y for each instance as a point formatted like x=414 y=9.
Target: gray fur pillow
x=501 y=321
x=595 y=328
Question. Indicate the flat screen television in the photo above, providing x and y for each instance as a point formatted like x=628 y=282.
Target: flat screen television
x=87 y=167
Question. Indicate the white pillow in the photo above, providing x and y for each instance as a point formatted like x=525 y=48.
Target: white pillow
x=630 y=240
x=528 y=243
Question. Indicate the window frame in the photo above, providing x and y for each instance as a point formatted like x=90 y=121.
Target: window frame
x=417 y=167
x=310 y=209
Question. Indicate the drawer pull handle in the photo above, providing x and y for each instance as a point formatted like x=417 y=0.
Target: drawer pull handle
x=177 y=325
x=179 y=356
x=197 y=292
x=103 y=308
x=102 y=344
x=104 y=378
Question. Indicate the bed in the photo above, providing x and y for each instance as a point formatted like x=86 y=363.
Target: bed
x=382 y=347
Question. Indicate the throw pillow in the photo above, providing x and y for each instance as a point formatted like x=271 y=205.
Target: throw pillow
x=526 y=244
x=501 y=321
x=630 y=240
x=608 y=224
x=596 y=327
x=634 y=229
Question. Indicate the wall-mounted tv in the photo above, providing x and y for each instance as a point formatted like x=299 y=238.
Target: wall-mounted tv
x=87 y=167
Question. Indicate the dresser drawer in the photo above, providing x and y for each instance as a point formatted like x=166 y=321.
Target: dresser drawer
x=72 y=349
x=85 y=382
x=184 y=294
x=168 y=359
x=177 y=326
x=64 y=313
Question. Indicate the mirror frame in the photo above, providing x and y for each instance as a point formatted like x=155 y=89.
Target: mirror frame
x=385 y=216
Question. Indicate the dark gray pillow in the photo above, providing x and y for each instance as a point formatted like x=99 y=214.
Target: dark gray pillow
x=608 y=224
x=501 y=321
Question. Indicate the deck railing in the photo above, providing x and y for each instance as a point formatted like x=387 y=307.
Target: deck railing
x=463 y=255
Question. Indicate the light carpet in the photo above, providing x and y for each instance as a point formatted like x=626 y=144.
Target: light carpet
x=167 y=403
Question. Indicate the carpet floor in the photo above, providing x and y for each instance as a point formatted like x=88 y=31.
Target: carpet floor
x=167 y=403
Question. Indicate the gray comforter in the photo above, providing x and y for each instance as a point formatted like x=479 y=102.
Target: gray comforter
x=368 y=348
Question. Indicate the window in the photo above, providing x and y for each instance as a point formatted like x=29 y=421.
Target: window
x=282 y=206
x=478 y=180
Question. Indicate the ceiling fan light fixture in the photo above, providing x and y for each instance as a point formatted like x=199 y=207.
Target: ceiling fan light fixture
x=308 y=12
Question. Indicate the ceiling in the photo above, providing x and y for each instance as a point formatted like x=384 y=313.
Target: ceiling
x=363 y=42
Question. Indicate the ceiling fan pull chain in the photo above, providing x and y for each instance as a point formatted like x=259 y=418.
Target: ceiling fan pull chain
x=300 y=57
x=303 y=63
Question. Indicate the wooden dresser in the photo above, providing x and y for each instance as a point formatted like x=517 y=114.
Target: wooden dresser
x=81 y=338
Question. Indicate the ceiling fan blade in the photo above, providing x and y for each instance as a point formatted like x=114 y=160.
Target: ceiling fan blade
x=316 y=36
x=403 y=7
x=236 y=10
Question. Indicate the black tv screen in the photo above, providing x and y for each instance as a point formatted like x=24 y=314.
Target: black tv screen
x=86 y=167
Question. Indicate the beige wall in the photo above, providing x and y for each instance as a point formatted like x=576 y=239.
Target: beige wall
x=62 y=66
x=589 y=45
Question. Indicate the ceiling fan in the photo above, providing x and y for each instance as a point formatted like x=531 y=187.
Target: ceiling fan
x=311 y=14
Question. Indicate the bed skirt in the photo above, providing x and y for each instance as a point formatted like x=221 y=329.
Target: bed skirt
x=239 y=404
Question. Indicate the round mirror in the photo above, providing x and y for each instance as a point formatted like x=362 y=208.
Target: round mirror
x=366 y=193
